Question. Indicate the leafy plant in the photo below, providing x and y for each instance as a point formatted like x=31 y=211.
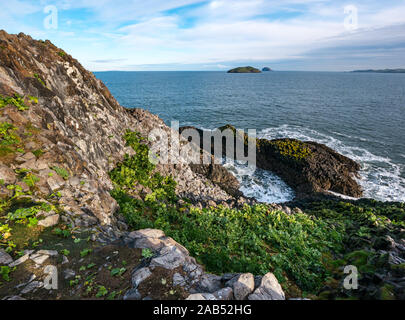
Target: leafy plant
x=85 y=252
x=118 y=271
x=5 y=272
x=102 y=292
x=62 y=172
x=16 y=100
x=147 y=253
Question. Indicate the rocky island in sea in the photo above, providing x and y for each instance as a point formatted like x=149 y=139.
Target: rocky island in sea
x=380 y=71
x=266 y=69
x=77 y=192
x=244 y=70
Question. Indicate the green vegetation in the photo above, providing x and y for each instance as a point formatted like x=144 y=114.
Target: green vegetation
x=37 y=76
x=308 y=248
x=147 y=253
x=138 y=169
x=293 y=149
x=62 y=54
x=9 y=140
x=16 y=100
x=62 y=172
x=5 y=272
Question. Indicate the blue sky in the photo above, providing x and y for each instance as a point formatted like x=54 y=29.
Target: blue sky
x=218 y=34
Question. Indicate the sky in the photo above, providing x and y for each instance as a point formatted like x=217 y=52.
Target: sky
x=216 y=35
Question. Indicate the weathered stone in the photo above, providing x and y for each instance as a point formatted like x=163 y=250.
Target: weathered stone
x=19 y=261
x=209 y=283
x=55 y=182
x=32 y=286
x=147 y=233
x=169 y=258
x=39 y=258
x=52 y=253
x=5 y=258
x=201 y=296
x=269 y=289
x=140 y=276
x=16 y=298
x=178 y=280
x=244 y=286
x=224 y=294
x=49 y=221
x=69 y=273
x=132 y=294
x=7 y=175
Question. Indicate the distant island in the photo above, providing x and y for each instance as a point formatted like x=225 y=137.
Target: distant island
x=266 y=69
x=244 y=70
x=381 y=71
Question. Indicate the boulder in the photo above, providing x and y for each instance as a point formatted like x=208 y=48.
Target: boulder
x=243 y=286
x=5 y=258
x=269 y=289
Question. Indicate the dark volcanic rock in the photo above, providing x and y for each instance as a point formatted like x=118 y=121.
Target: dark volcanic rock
x=307 y=167
x=215 y=172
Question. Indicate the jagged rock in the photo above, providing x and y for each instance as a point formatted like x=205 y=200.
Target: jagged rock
x=69 y=274
x=21 y=260
x=140 y=276
x=5 y=258
x=169 y=258
x=178 y=280
x=132 y=294
x=209 y=283
x=32 y=286
x=39 y=258
x=224 y=294
x=16 y=298
x=201 y=296
x=49 y=221
x=243 y=286
x=55 y=183
x=308 y=167
x=7 y=175
x=269 y=289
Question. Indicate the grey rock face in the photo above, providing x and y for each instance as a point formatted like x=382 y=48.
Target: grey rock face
x=224 y=294
x=243 y=286
x=5 y=258
x=139 y=276
x=49 y=221
x=269 y=289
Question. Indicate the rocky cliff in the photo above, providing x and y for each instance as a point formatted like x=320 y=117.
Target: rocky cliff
x=61 y=135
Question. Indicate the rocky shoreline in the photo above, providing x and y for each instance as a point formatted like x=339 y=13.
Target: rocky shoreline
x=72 y=188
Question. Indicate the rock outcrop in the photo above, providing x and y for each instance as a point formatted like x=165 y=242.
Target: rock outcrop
x=75 y=127
x=307 y=167
x=244 y=70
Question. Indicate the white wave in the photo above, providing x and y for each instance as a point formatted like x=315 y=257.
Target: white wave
x=380 y=176
x=262 y=185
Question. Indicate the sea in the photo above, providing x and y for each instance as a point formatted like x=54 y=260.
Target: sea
x=360 y=115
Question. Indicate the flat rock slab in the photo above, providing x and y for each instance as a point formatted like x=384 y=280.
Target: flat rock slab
x=5 y=258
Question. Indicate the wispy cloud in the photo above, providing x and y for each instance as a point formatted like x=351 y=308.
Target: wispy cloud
x=217 y=34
